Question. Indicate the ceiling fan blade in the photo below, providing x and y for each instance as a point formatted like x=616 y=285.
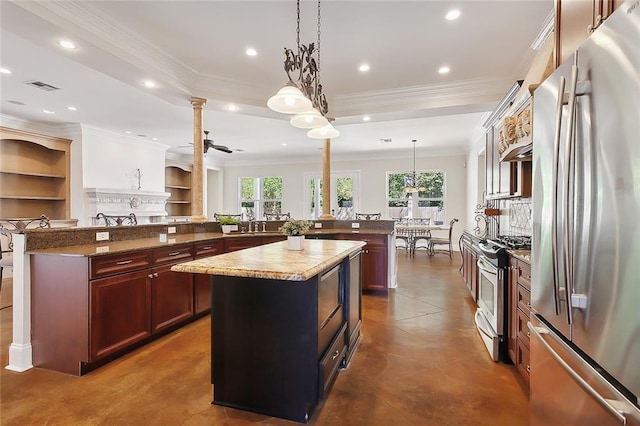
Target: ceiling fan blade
x=222 y=148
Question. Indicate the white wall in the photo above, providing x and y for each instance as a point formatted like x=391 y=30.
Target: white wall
x=372 y=182
x=475 y=180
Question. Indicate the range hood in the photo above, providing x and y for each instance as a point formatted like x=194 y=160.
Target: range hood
x=541 y=67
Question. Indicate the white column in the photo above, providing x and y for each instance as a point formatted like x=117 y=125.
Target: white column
x=20 y=358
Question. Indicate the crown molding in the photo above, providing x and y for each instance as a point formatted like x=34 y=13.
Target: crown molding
x=64 y=130
x=95 y=131
x=440 y=95
x=114 y=38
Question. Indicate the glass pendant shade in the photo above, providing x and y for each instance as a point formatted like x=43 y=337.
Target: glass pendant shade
x=310 y=119
x=289 y=100
x=324 y=132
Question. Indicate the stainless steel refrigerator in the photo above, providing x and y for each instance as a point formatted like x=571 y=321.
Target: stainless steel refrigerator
x=585 y=323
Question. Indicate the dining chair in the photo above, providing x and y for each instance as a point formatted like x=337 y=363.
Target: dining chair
x=403 y=241
x=439 y=241
x=368 y=216
x=277 y=216
x=8 y=227
x=422 y=240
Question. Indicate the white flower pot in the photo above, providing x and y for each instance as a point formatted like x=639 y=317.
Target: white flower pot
x=228 y=228
x=295 y=242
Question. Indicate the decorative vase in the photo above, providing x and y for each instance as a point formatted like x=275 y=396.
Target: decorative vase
x=228 y=228
x=295 y=242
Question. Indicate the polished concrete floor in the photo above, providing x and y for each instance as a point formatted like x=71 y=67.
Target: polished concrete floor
x=420 y=362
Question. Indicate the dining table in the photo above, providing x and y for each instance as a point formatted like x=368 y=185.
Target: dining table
x=414 y=232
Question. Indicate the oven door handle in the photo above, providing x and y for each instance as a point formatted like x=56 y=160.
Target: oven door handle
x=483 y=266
x=482 y=324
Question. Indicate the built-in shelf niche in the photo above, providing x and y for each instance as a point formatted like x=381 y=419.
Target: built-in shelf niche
x=34 y=175
x=177 y=182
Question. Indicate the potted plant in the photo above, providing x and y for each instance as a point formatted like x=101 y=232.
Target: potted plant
x=228 y=224
x=295 y=230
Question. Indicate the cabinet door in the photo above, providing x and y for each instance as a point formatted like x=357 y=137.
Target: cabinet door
x=573 y=20
x=473 y=266
x=171 y=297
x=239 y=243
x=374 y=267
x=202 y=282
x=120 y=312
x=512 y=325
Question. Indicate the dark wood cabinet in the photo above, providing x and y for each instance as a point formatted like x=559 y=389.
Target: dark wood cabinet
x=202 y=282
x=519 y=314
x=171 y=297
x=120 y=312
x=353 y=303
x=374 y=260
x=469 y=265
x=575 y=20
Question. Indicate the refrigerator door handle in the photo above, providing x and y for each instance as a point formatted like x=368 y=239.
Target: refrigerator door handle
x=615 y=407
x=556 y=182
x=566 y=237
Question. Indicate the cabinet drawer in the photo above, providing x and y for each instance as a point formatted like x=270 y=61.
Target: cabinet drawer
x=523 y=365
x=524 y=275
x=172 y=254
x=523 y=332
x=372 y=240
x=332 y=359
x=326 y=333
x=524 y=299
x=207 y=248
x=103 y=266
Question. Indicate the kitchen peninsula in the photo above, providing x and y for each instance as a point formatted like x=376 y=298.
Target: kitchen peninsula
x=283 y=322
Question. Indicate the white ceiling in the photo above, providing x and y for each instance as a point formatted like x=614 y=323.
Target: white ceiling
x=196 y=48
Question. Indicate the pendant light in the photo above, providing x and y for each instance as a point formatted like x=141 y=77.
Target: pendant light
x=310 y=119
x=324 y=132
x=411 y=184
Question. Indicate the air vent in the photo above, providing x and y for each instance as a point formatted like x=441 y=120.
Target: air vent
x=41 y=85
x=385 y=140
x=16 y=102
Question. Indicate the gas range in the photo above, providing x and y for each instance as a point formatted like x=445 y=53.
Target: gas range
x=495 y=250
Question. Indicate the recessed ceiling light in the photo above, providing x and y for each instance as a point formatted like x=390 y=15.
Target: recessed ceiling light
x=128 y=132
x=46 y=111
x=148 y=83
x=154 y=139
x=72 y=108
x=452 y=14
x=364 y=68
x=444 y=70
x=366 y=118
x=67 y=44
x=232 y=107
x=251 y=52
x=283 y=144
x=5 y=71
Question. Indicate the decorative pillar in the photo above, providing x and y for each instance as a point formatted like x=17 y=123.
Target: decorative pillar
x=197 y=174
x=326 y=181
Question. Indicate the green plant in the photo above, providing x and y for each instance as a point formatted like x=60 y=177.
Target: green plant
x=295 y=227
x=228 y=220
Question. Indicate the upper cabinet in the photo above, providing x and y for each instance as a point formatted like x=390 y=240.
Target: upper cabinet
x=576 y=20
x=34 y=175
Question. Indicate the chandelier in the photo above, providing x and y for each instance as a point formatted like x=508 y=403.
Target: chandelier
x=411 y=182
x=302 y=95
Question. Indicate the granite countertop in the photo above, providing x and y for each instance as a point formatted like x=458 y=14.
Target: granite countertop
x=275 y=261
x=110 y=247
x=524 y=255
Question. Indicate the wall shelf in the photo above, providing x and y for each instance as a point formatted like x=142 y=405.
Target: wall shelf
x=177 y=182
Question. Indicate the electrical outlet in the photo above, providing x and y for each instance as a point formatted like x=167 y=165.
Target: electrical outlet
x=102 y=236
x=317 y=225
x=163 y=238
x=102 y=249
x=171 y=230
x=355 y=225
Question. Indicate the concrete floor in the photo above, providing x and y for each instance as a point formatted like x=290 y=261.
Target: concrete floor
x=420 y=362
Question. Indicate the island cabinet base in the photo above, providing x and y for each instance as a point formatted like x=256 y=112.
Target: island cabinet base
x=277 y=345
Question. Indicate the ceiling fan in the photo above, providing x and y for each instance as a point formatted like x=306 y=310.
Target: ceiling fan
x=209 y=143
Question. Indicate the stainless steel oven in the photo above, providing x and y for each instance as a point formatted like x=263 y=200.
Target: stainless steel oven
x=489 y=317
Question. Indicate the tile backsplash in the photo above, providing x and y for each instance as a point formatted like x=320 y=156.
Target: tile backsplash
x=515 y=217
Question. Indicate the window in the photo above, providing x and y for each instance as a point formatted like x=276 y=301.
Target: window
x=423 y=204
x=259 y=196
x=344 y=195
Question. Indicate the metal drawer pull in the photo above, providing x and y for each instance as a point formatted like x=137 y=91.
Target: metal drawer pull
x=335 y=355
x=155 y=275
x=528 y=369
x=124 y=262
x=528 y=334
x=175 y=253
x=150 y=276
x=207 y=248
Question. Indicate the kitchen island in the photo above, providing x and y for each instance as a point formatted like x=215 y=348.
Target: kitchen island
x=283 y=322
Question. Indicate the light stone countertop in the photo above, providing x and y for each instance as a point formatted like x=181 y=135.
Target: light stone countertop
x=524 y=255
x=275 y=261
